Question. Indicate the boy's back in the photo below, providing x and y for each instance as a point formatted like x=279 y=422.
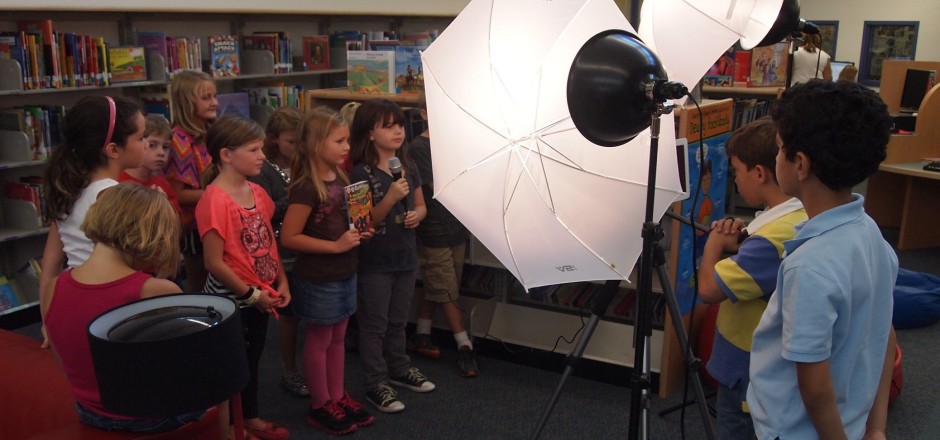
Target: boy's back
x=821 y=349
x=832 y=288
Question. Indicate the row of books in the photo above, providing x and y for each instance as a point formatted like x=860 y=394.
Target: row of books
x=178 y=52
x=39 y=123
x=747 y=110
x=50 y=59
x=28 y=189
x=758 y=67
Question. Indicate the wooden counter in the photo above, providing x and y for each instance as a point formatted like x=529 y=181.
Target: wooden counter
x=336 y=98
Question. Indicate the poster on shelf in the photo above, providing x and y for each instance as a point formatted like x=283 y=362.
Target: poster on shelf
x=708 y=186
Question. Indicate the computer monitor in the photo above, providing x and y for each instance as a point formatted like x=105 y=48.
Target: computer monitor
x=916 y=84
x=837 y=67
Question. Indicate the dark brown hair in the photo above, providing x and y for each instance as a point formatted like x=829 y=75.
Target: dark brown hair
x=84 y=130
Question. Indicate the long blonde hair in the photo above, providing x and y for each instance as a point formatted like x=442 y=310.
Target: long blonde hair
x=140 y=223
x=229 y=131
x=184 y=92
x=318 y=124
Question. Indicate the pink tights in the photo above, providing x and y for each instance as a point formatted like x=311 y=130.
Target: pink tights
x=324 y=359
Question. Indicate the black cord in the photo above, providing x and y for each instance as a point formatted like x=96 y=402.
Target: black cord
x=694 y=280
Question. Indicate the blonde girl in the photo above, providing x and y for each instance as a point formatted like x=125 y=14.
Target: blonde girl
x=135 y=231
x=324 y=276
x=388 y=262
x=234 y=221
x=193 y=104
x=279 y=146
x=102 y=136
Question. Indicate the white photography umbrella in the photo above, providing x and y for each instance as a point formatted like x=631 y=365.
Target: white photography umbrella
x=508 y=161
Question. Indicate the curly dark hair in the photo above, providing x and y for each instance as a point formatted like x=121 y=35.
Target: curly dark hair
x=843 y=127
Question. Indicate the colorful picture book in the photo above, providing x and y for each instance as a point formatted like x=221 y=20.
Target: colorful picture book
x=223 y=55
x=769 y=65
x=409 y=76
x=8 y=298
x=370 y=72
x=722 y=72
x=127 y=63
x=316 y=52
x=359 y=205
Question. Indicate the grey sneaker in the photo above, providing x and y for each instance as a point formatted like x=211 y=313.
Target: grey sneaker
x=385 y=399
x=413 y=380
x=295 y=384
x=467 y=362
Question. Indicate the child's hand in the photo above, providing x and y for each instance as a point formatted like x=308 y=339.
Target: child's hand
x=728 y=226
x=411 y=220
x=283 y=290
x=399 y=190
x=350 y=239
x=267 y=301
x=364 y=236
x=726 y=234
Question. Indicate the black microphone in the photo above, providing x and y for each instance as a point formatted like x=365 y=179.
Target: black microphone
x=394 y=166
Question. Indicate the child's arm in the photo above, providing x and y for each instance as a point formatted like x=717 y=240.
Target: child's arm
x=185 y=195
x=53 y=258
x=418 y=211
x=283 y=288
x=293 y=237
x=819 y=398
x=213 y=249
x=722 y=238
x=878 y=416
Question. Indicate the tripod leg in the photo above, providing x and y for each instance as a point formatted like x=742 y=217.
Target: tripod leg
x=601 y=301
x=691 y=362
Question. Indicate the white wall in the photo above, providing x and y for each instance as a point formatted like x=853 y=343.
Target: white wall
x=852 y=15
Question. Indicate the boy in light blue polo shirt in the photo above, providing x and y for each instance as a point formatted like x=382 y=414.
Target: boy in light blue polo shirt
x=821 y=346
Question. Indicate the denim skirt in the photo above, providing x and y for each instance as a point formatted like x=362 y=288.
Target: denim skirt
x=323 y=303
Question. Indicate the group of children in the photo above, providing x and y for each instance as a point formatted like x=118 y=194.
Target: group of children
x=804 y=342
x=241 y=198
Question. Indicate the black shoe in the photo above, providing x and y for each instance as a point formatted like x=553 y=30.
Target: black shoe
x=385 y=399
x=467 y=361
x=413 y=380
x=331 y=419
x=295 y=384
x=354 y=411
x=424 y=345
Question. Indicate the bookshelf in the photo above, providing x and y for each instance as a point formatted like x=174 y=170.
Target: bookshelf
x=22 y=234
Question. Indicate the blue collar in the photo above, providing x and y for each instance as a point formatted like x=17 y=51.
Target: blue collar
x=826 y=221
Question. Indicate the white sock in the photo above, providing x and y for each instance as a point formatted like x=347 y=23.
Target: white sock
x=423 y=326
x=463 y=340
